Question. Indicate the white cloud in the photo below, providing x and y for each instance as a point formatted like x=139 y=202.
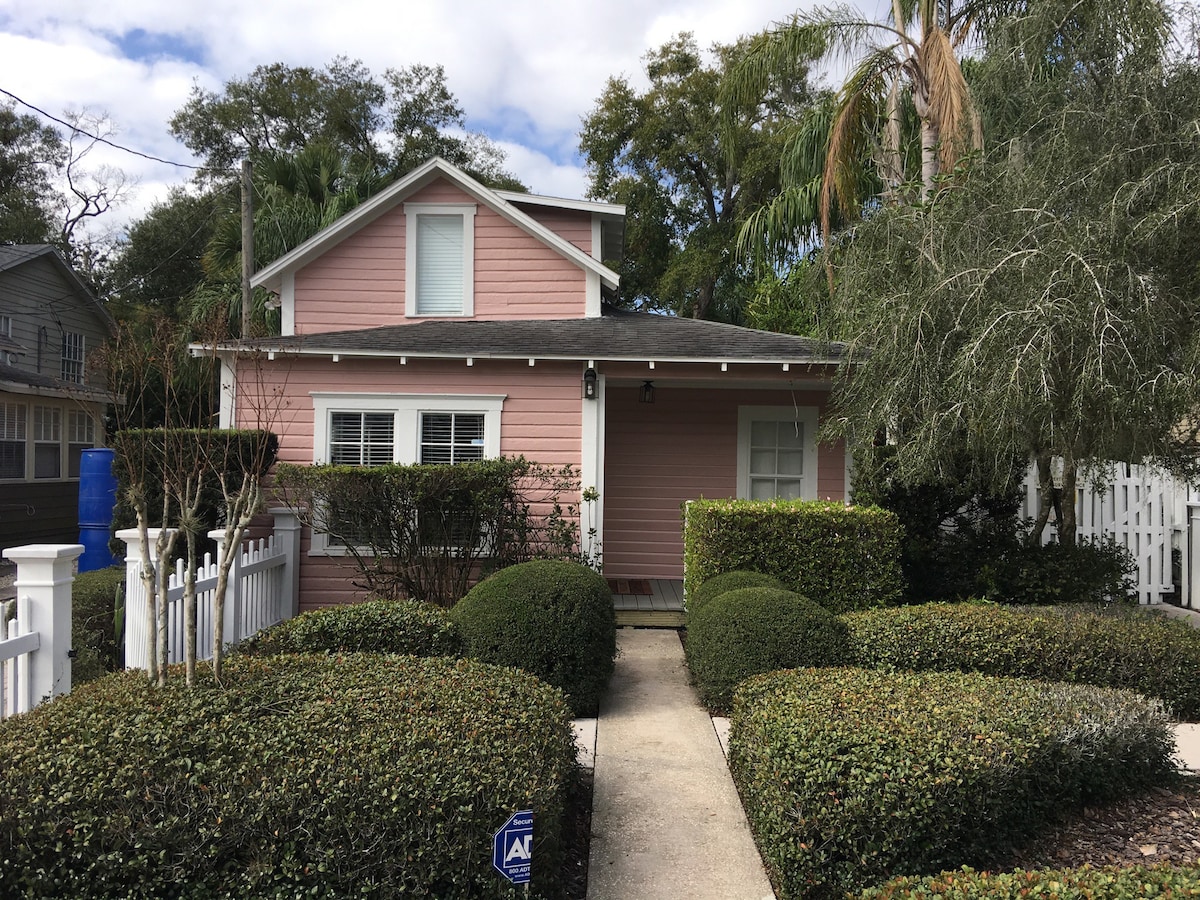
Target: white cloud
x=526 y=71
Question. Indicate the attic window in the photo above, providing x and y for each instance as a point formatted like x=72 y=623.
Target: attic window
x=439 y=259
x=72 y=357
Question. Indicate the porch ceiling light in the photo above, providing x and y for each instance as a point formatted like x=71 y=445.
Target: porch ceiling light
x=591 y=388
x=646 y=395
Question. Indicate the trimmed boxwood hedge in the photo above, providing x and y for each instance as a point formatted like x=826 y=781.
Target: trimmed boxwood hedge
x=730 y=581
x=755 y=630
x=1085 y=883
x=850 y=777
x=843 y=557
x=315 y=776
x=551 y=618
x=1112 y=646
x=379 y=626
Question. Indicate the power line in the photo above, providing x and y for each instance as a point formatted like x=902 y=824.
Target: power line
x=97 y=137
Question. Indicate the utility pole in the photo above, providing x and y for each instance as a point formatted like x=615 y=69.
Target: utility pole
x=247 y=244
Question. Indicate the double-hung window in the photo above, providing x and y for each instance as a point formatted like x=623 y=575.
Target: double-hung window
x=361 y=438
x=439 y=259
x=12 y=440
x=448 y=438
x=72 y=357
x=47 y=442
x=81 y=435
x=777 y=453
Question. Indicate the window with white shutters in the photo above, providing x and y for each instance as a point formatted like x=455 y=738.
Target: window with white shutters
x=12 y=440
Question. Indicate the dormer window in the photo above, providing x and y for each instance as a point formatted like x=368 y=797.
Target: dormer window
x=439 y=259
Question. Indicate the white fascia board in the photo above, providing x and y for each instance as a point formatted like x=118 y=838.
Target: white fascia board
x=592 y=206
x=270 y=277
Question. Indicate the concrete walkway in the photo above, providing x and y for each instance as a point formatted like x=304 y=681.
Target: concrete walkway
x=666 y=819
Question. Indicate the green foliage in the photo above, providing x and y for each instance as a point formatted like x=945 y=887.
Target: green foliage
x=552 y=618
x=659 y=152
x=97 y=604
x=144 y=460
x=362 y=775
x=376 y=626
x=754 y=630
x=1119 y=648
x=850 y=776
x=1086 y=883
x=843 y=557
x=424 y=531
x=1088 y=572
x=30 y=155
x=730 y=581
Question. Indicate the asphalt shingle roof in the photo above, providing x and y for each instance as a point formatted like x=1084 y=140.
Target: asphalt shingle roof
x=615 y=335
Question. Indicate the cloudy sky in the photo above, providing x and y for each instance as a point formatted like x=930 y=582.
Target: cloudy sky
x=526 y=71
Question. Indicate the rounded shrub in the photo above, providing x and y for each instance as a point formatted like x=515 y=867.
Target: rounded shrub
x=850 y=777
x=1111 y=646
x=754 y=630
x=549 y=617
x=378 y=626
x=731 y=581
x=1084 y=883
x=314 y=776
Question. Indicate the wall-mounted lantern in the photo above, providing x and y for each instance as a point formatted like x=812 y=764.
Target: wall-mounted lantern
x=646 y=395
x=591 y=387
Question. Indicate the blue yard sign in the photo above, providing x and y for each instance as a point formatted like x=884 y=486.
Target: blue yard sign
x=512 y=847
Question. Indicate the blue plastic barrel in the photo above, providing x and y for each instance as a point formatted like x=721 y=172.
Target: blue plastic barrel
x=97 y=497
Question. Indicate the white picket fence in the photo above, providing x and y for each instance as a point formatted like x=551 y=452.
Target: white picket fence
x=262 y=590
x=35 y=628
x=1144 y=510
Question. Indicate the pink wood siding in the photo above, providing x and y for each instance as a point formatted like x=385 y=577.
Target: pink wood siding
x=681 y=447
x=574 y=225
x=541 y=418
x=360 y=282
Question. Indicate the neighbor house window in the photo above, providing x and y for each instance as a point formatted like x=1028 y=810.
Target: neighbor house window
x=439 y=259
x=374 y=429
x=81 y=435
x=72 y=358
x=12 y=440
x=6 y=326
x=777 y=456
x=47 y=442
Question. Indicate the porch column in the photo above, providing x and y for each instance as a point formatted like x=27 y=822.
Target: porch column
x=591 y=475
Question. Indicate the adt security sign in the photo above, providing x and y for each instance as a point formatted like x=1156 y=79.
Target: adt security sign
x=512 y=847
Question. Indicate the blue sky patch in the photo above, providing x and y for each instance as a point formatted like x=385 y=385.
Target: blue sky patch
x=149 y=46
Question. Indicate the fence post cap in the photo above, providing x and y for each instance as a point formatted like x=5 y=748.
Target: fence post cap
x=44 y=551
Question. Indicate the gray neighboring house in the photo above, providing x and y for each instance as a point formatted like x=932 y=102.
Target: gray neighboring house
x=52 y=402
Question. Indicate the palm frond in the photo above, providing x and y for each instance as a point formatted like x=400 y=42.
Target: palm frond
x=947 y=96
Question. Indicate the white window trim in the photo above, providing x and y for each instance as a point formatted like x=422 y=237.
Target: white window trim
x=407 y=409
x=807 y=416
x=411 y=212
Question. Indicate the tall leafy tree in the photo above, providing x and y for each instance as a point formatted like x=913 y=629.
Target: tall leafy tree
x=658 y=151
x=31 y=154
x=384 y=126
x=1044 y=308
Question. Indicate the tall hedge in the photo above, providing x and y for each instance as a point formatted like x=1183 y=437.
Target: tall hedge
x=364 y=775
x=843 y=557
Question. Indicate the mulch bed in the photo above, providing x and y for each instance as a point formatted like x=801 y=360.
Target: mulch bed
x=1161 y=827
x=578 y=837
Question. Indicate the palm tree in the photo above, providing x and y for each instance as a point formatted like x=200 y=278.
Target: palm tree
x=904 y=77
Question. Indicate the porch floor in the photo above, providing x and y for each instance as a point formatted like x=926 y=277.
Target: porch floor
x=650 y=602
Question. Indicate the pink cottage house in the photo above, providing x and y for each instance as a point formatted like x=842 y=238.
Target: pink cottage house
x=442 y=317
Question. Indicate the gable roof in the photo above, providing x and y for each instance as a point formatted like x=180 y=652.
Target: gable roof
x=271 y=276
x=617 y=335
x=14 y=255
